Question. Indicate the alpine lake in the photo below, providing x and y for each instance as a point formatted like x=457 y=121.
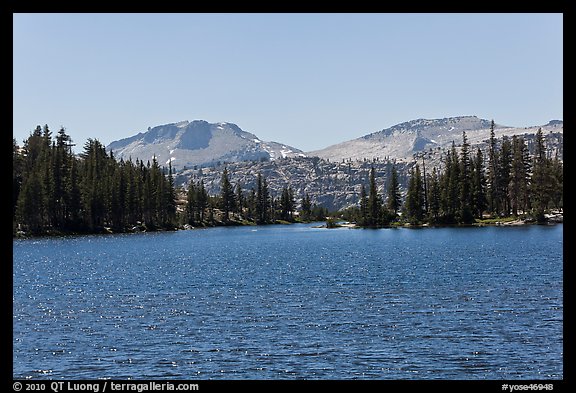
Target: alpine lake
x=291 y=302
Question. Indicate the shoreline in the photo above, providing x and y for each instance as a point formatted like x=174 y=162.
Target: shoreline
x=139 y=228
x=551 y=219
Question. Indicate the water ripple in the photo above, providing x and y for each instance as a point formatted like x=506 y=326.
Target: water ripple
x=291 y=302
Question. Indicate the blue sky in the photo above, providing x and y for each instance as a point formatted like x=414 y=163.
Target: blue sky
x=307 y=80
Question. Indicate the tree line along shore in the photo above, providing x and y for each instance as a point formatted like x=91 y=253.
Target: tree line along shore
x=58 y=192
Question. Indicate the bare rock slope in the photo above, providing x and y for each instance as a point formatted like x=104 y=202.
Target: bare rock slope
x=199 y=143
x=402 y=141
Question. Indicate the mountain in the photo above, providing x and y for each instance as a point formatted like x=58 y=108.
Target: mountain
x=199 y=143
x=336 y=184
x=335 y=180
x=332 y=176
x=403 y=141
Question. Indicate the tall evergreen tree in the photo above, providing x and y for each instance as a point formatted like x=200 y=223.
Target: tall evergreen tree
x=93 y=187
x=540 y=180
x=30 y=208
x=61 y=172
x=557 y=181
x=202 y=201
x=465 y=179
x=169 y=203
x=73 y=196
x=240 y=199
x=157 y=197
x=287 y=204
x=32 y=150
x=414 y=206
x=505 y=161
x=251 y=202
x=191 y=204
x=117 y=190
x=262 y=201
x=479 y=202
x=30 y=202
x=364 y=212
x=227 y=197
x=291 y=203
x=450 y=184
x=17 y=173
x=47 y=178
x=493 y=172
x=519 y=177
x=394 y=199
x=306 y=208
x=434 y=195
x=374 y=202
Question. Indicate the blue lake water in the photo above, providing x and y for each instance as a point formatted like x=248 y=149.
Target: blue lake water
x=284 y=302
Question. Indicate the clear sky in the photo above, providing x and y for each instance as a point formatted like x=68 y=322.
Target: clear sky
x=307 y=80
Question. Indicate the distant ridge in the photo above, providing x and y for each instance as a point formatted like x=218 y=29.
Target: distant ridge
x=402 y=141
x=187 y=144
x=200 y=143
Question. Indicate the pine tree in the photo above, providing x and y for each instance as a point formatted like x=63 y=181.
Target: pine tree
x=47 y=177
x=240 y=200
x=145 y=192
x=202 y=201
x=374 y=202
x=540 y=178
x=93 y=187
x=557 y=179
x=306 y=208
x=479 y=203
x=31 y=151
x=30 y=207
x=274 y=209
x=156 y=198
x=131 y=198
x=394 y=196
x=287 y=204
x=434 y=197
x=450 y=184
x=493 y=172
x=61 y=172
x=31 y=201
x=364 y=215
x=414 y=206
x=527 y=160
x=291 y=203
x=518 y=184
x=263 y=204
x=465 y=180
x=227 y=197
x=251 y=202
x=17 y=173
x=169 y=203
x=117 y=191
x=191 y=204
x=73 y=196
x=505 y=161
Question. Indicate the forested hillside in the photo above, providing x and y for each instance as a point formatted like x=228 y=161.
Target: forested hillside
x=57 y=191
